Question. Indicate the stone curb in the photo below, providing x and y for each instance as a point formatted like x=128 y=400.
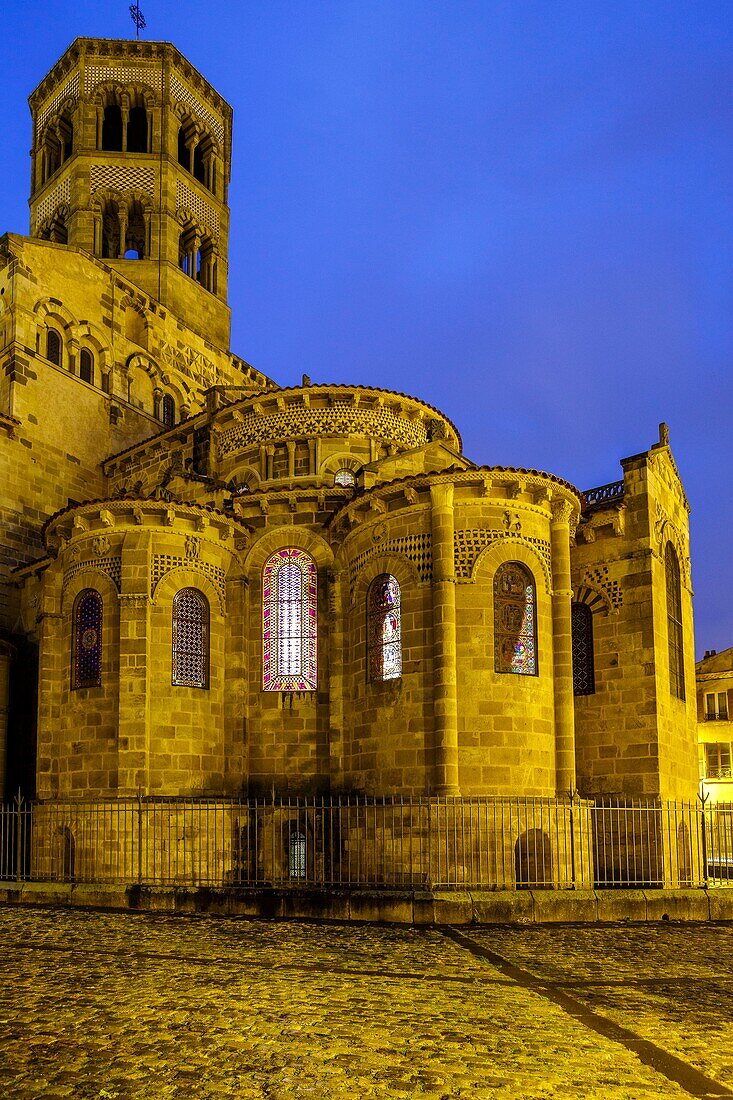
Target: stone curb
x=438 y=907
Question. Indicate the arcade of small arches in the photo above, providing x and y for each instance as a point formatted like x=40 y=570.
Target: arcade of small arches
x=125 y=123
x=122 y=226
x=83 y=356
x=197 y=253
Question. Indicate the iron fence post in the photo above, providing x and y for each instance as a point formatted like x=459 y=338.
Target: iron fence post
x=703 y=799
x=139 y=837
x=18 y=836
x=573 y=885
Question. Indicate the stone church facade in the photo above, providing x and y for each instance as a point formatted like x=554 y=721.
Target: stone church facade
x=212 y=584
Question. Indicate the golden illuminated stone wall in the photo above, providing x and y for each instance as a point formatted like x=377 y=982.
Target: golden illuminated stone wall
x=97 y=492
x=634 y=735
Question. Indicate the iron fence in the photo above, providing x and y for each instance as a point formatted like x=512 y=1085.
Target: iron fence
x=494 y=843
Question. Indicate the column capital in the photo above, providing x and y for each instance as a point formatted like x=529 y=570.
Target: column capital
x=562 y=511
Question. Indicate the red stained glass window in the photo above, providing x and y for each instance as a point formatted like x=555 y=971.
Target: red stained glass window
x=515 y=620
x=289 y=621
x=384 y=629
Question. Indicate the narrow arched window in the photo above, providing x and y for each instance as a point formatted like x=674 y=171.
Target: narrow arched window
x=674 y=623
x=345 y=479
x=384 y=632
x=53 y=346
x=86 y=664
x=137 y=130
x=199 y=171
x=190 y=639
x=289 y=625
x=184 y=152
x=112 y=128
x=168 y=410
x=584 y=682
x=86 y=366
x=515 y=620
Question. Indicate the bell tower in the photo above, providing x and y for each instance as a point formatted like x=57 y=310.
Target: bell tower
x=131 y=159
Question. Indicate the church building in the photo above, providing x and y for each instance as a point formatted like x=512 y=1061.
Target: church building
x=213 y=585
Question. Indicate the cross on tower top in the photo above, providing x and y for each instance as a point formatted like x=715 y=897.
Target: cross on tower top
x=138 y=19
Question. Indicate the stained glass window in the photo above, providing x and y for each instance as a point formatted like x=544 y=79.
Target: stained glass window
x=190 y=639
x=583 y=668
x=87 y=648
x=289 y=624
x=384 y=640
x=345 y=479
x=168 y=411
x=515 y=614
x=674 y=623
x=86 y=366
x=53 y=346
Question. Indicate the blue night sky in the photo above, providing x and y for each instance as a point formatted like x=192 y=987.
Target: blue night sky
x=520 y=212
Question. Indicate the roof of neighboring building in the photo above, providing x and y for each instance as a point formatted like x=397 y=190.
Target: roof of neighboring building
x=715 y=663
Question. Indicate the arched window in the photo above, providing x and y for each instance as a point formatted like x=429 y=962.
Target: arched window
x=674 y=623
x=135 y=235
x=168 y=410
x=86 y=366
x=53 y=346
x=199 y=170
x=86 y=662
x=584 y=682
x=112 y=128
x=110 y=231
x=345 y=479
x=137 y=130
x=184 y=152
x=384 y=635
x=515 y=620
x=289 y=628
x=190 y=639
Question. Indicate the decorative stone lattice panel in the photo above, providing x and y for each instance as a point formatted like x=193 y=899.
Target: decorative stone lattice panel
x=180 y=92
x=164 y=563
x=111 y=567
x=468 y=544
x=46 y=207
x=599 y=578
x=189 y=362
x=417 y=548
x=123 y=74
x=205 y=214
x=341 y=418
x=122 y=177
x=71 y=88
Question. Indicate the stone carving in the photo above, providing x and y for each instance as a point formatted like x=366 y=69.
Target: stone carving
x=512 y=523
x=192 y=547
x=100 y=545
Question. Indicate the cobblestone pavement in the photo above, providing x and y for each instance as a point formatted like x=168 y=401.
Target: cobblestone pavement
x=111 y=1006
